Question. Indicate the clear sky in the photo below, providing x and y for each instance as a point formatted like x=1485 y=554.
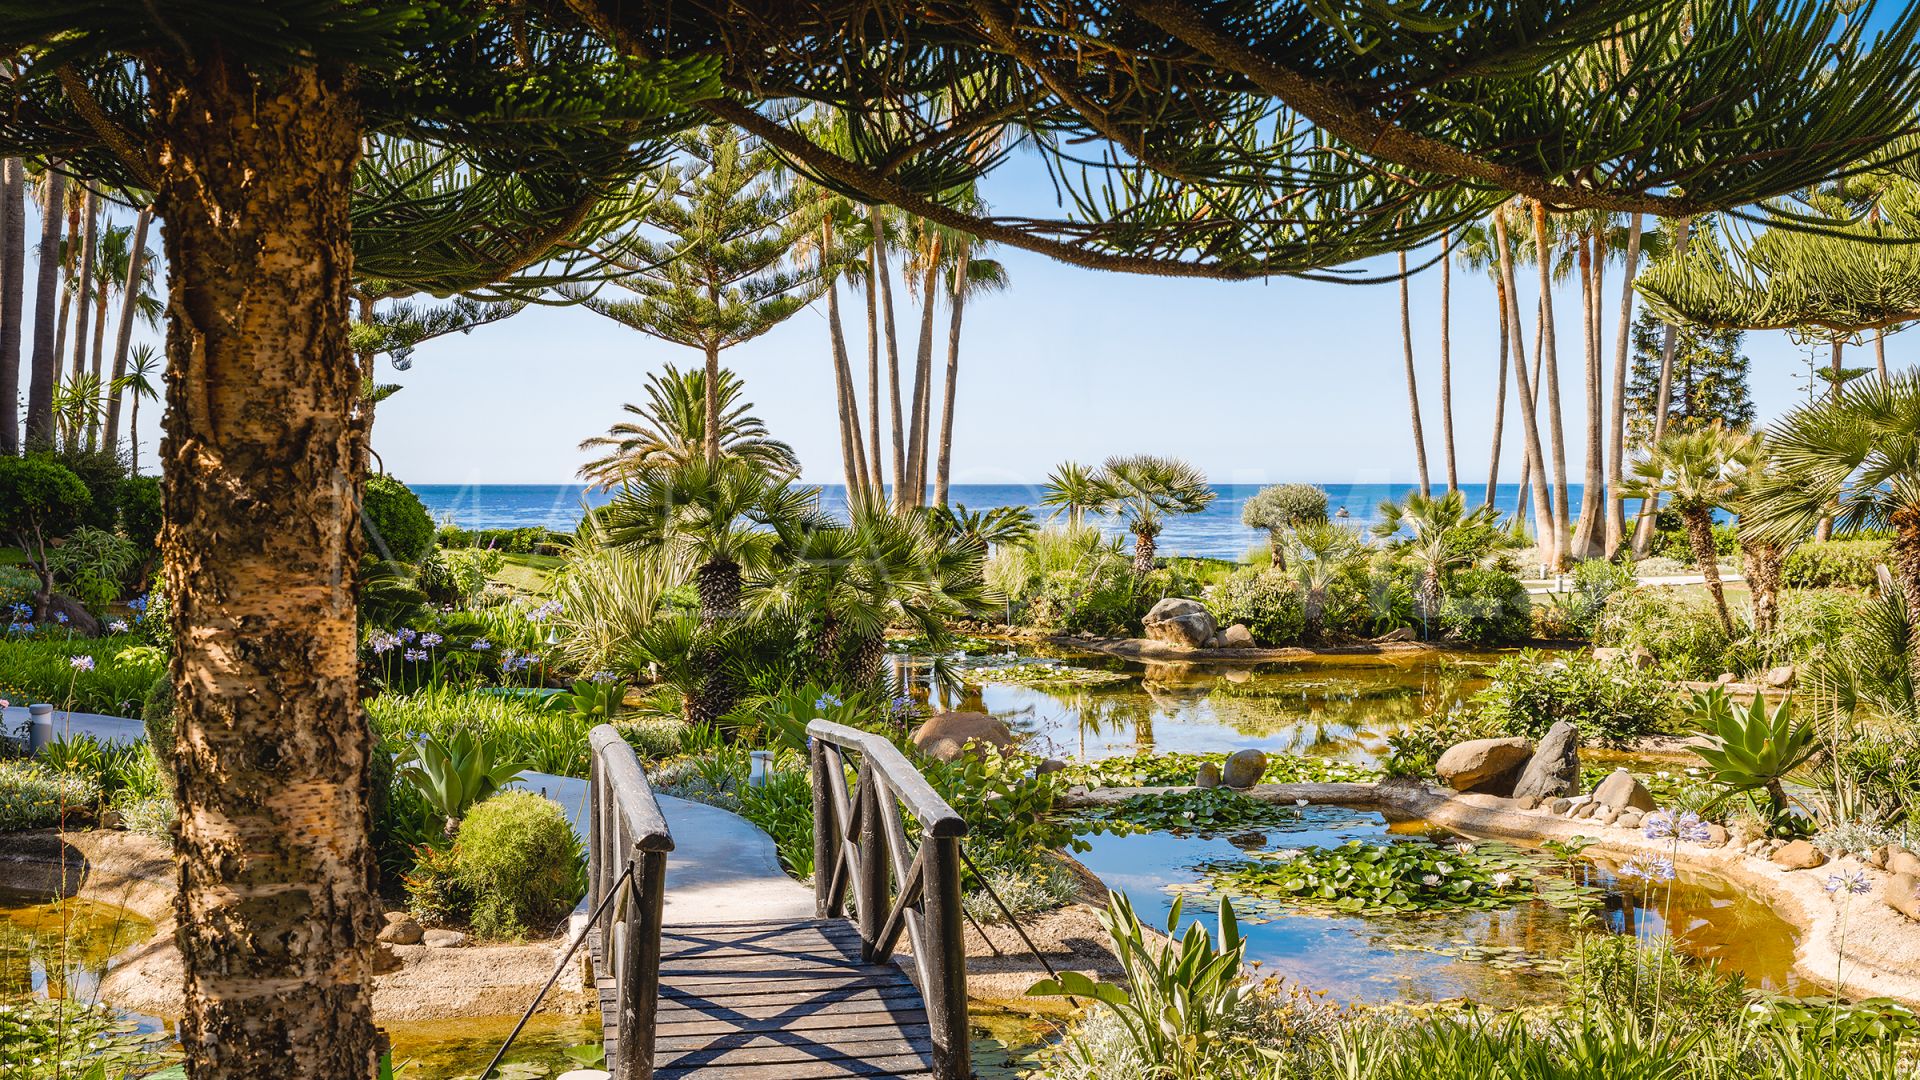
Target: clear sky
x=1253 y=381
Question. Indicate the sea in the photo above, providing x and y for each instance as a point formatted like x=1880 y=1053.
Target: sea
x=1215 y=531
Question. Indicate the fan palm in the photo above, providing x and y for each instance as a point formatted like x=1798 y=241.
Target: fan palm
x=1762 y=558
x=1854 y=455
x=1077 y=491
x=1146 y=488
x=672 y=427
x=1444 y=535
x=996 y=527
x=1699 y=471
x=1319 y=548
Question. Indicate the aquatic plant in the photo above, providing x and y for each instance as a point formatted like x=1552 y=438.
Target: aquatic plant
x=1393 y=878
x=1203 y=810
x=1177 y=768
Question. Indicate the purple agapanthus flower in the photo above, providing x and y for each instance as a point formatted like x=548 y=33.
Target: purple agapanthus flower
x=414 y=654
x=480 y=645
x=431 y=639
x=407 y=636
x=1693 y=830
x=1658 y=826
x=60 y=617
x=117 y=626
x=80 y=663
x=602 y=677
x=1854 y=882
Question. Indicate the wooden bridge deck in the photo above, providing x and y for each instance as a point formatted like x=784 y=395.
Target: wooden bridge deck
x=780 y=1000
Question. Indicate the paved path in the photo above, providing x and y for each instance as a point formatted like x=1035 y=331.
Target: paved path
x=107 y=729
x=1542 y=587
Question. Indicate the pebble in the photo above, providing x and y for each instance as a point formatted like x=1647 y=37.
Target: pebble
x=443 y=939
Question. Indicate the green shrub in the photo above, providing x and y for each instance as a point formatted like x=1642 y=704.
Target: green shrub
x=92 y=566
x=527 y=540
x=33 y=796
x=44 y=669
x=458 y=575
x=140 y=514
x=516 y=728
x=156 y=713
x=1810 y=622
x=1611 y=704
x=148 y=815
x=17 y=586
x=1836 y=564
x=395 y=520
x=783 y=808
x=1486 y=607
x=518 y=857
x=1680 y=629
x=1267 y=603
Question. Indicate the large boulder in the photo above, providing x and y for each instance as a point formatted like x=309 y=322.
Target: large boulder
x=1186 y=624
x=1902 y=892
x=1487 y=766
x=944 y=736
x=1554 y=769
x=1236 y=636
x=1799 y=855
x=1243 y=769
x=1621 y=792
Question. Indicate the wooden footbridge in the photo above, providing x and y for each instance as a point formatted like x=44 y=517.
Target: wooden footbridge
x=786 y=999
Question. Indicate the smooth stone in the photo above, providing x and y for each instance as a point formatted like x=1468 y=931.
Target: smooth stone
x=1902 y=893
x=1800 y=855
x=1243 y=769
x=1716 y=836
x=1904 y=862
x=1049 y=765
x=1876 y=858
x=1487 y=766
x=1184 y=623
x=1607 y=816
x=1209 y=775
x=585 y=1074
x=1392 y=637
x=1585 y=810
x=1630 y=819
x=1559 y=806
x=1727 y=678
x=401 y=930
x=1778 y=678
x=1554 y=768
x=1236 y=636
x=945 y=736
x=1621 y=791
x=443 y=939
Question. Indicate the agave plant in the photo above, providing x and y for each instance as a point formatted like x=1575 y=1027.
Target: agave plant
x=1754 y=749
x=453 y=775
x=593 y=701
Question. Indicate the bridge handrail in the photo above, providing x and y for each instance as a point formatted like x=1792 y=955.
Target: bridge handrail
x=861 y=845
x=627 y=832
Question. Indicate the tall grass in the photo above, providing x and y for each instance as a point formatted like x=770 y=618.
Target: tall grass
x=606 y=597
x=42 y=670
x=516 y=728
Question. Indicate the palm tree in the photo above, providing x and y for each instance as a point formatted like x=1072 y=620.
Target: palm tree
x=1536 y=478
x=1476 y=252
x=13 y=292
x=1446 y=362
x=143 y=367
x=1442 y=539
x=1077 y=491
x=1550 y=363
x=1700 y=472
x=969 y=276
x=1413 y=381
x=672 y=426
x=1319 y=549
x=1145 y=488
x=77 y=405
x=132 y=263
x=1855 y=455
x=44 y=370
x=1762 y=557
x=997 y=527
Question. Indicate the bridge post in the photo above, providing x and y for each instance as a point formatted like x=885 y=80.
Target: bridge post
x=870 y=885
x=640 y=974
x=826 y=834
x=946 y=968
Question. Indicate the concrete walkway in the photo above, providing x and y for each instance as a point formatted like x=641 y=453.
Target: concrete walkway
x=1563 y=584
x=107 y=729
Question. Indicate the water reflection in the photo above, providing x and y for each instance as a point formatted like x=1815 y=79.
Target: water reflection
x=60 y=948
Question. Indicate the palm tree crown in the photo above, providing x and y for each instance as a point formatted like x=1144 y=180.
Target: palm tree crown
x=672 y=430
x=1145 y=488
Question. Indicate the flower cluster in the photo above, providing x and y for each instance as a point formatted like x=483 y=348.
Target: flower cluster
x=17 y=627
x=382 y=642
x=480 y=645
x=827 y=701
x=1650 y=871
x=603 y=677
x=414 y=654
x=118 y=626
x=139 y=603
x=1662 y=825
x=80 y=663
x=431 y=639
x=1852 y=882
x=511 y=661
x=545 y=611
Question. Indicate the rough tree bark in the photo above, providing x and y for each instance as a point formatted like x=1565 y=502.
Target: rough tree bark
x=1589 y=528
x=13 y=293
x=123 y=336
x=46 y=357
x=1761 y=564
x=89 y=242
x=1699 y=523
x=276 y=912
x=1446 y=365
x=923 y=380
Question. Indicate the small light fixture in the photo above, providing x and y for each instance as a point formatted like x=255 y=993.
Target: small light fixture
x=553 y=636
x=761 y=763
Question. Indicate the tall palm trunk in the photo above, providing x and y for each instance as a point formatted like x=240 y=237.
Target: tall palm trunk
x=1880 y=352
x=1699 y=523
x=923 y=378
x=1593 y=486
x=1550 y=362
x=123 y=336
x=717 y=583
x=1413 y=381
x=1617 y=450
x=1548 y=527
x=44 y=373
x=275 y=914
x=1905 y=551
x=1669 y=343
x=13 y=294
x=960 y=284
x=84 y=309
x=848 y=406
x=94 y=418
x=876 y=472
x=1446 y=365
x=900 y=477
x=1499 y=400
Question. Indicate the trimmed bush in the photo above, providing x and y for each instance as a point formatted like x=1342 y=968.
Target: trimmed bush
x=1486 y=607
x=34 y=797
x=1267 y=603
x=395 y=520
x=1611 y=704
x=527 y=540
x=1837 y=564
x=518 y=857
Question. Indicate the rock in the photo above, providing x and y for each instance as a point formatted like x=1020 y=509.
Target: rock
x=385 y=960
x=1606 y=815
x=1609 y=656
x=1251 y=840
x=1391 y=637
x=1559 y=806
x=1554 y=769
x=1236 y=636
x=1742 y=835
x=585 y=1074
x=79 y=621
x=1243 y=769
x=1621 y=791
x=1727 y=678
x=1489 y=766
x=1903 y=862
x=1716 y=836
x=443 y=939
x=1778 y=678
x=1529 y=803
x=1800 y=855
x=1877 y=858
x=1183 y=623
x=1902 y=893
x=1209 y=775
x=944 y=736
x=1630 y=819
x=1050 y=765
x=1585 y=810
x=401 y=930
x=1643 y=659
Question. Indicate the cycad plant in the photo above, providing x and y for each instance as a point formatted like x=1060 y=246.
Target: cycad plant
x=1699 y=472
x=670 y=429
x=1444 y=536
x=1144 y=489
x=996 y=527
x=1753 y=749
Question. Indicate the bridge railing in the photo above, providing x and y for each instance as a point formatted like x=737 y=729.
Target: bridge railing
x=900 y=885
x=627 y=846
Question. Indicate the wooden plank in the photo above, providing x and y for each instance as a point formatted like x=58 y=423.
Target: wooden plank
x=828 y=1022
x=726 y=1008
x=788 y=981
x=864 y=1037
x=887 y=1066
x=776 y=1053
x=716 y=993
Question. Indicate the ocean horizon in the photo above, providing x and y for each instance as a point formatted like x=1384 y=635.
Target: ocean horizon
x=1215 y=532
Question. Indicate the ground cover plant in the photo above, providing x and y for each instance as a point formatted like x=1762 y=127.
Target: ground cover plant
x=1174 y=768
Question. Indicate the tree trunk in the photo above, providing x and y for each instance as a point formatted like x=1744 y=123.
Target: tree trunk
x=1761 y=563
x=851 y=453
x=1699 y=522
x=276 y=914
x=718 y=586
x=1500 y=403
x=1316 y=612
x=1277 y=543
x=13 y=294
x=1594 y=486
x=1669 y=342
x=45 y=370
x=1880 y=352
x=1906 y=565
x=1529 y=415
x=1413 y=381
x=1446 y=365
x=960 y=285
x=1143 y=548
x=123 y=336
x=711 y=436
x=900 y=477
x=83 y=309
x=1550 y=362
x=923 y=379
x=1617 y=450
x=94 y=418
x=876 y=472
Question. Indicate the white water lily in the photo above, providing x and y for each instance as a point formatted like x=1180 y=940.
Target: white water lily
x=1431 y=881
x=1502 y=879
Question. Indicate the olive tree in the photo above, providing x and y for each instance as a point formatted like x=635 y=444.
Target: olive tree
x=1282 y=507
